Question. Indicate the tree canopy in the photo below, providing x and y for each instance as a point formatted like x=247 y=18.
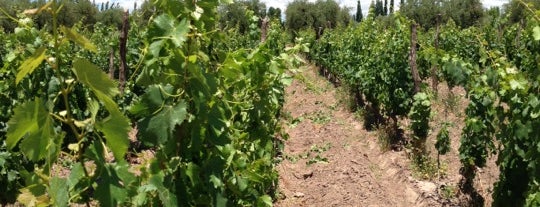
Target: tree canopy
x=465 y=13
x=73 y=11
x=517 y=11
x=236 y=14
x=302 y=14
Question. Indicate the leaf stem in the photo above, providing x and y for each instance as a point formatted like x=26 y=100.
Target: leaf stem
x=66 y=89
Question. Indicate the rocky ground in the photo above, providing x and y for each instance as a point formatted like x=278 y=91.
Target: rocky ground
x=329 y=158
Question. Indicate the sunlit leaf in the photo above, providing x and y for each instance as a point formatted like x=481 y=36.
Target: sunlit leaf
x=175 y=31
x=32 y=122
x=58 y=190
x=30 y=64
x=264 y=200
x=79 y=39
x=155 y=47
x=536 y=33
x=197 y=13
x=95 y=79
x=27 y=198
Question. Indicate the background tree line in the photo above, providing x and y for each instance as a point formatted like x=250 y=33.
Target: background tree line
x=299 y=14
x=464 y=13
x=302 y=14
x=87 y=12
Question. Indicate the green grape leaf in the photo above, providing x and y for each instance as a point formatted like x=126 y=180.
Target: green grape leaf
x=110 y=192
x=518 y=84
x=122 y=170
x=79 y=39
x=443 y=140
x=159 y=128
x=95 y=79
x=151 y=101
x=166 y=197
x=221 y=200
x=32 y=122
x=30 y=64
x=59 y=191
x=536 y=33
x=116 y=128
x=155 y=47
x=192 y=172
x=264 y=200
x=77 y=173
x=216 y=182
x=176 y=32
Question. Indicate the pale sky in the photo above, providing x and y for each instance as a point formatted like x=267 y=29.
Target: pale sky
x=128 y=4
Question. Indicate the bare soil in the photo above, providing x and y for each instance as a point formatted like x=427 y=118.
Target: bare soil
x=329 y=158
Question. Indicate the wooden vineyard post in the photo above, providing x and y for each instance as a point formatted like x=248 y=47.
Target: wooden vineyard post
x=264 y=29
x=518 y=36
x=318 y=33
x=123 y=51
x=434 y=78
x=412 y=59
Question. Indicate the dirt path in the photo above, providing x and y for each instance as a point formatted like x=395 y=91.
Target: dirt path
x=331 y=160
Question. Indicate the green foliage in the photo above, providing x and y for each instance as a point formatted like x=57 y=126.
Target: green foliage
x=496 y=65
x=30 y=64
x=302 y=14
x=423 y=12
x=238 y=14
x=518 y=10
x=274 y=13
x=72 y=12
x=10 y=9
x=363 y=59
x=208 y=110
x=425 y=167
x=32 y=122
x=420 y=115
x=443 y=140
x=465 y=13
x=455 y=71
x=110 y=17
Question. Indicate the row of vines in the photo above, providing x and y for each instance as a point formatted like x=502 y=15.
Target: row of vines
x=498 y=67
x=195 y=124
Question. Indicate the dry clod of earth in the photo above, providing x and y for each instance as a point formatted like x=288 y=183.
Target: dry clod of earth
x=331 y=160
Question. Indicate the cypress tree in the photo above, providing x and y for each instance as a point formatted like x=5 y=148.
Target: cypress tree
x=379 y=8
x=385 y=7
x=359 y=15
